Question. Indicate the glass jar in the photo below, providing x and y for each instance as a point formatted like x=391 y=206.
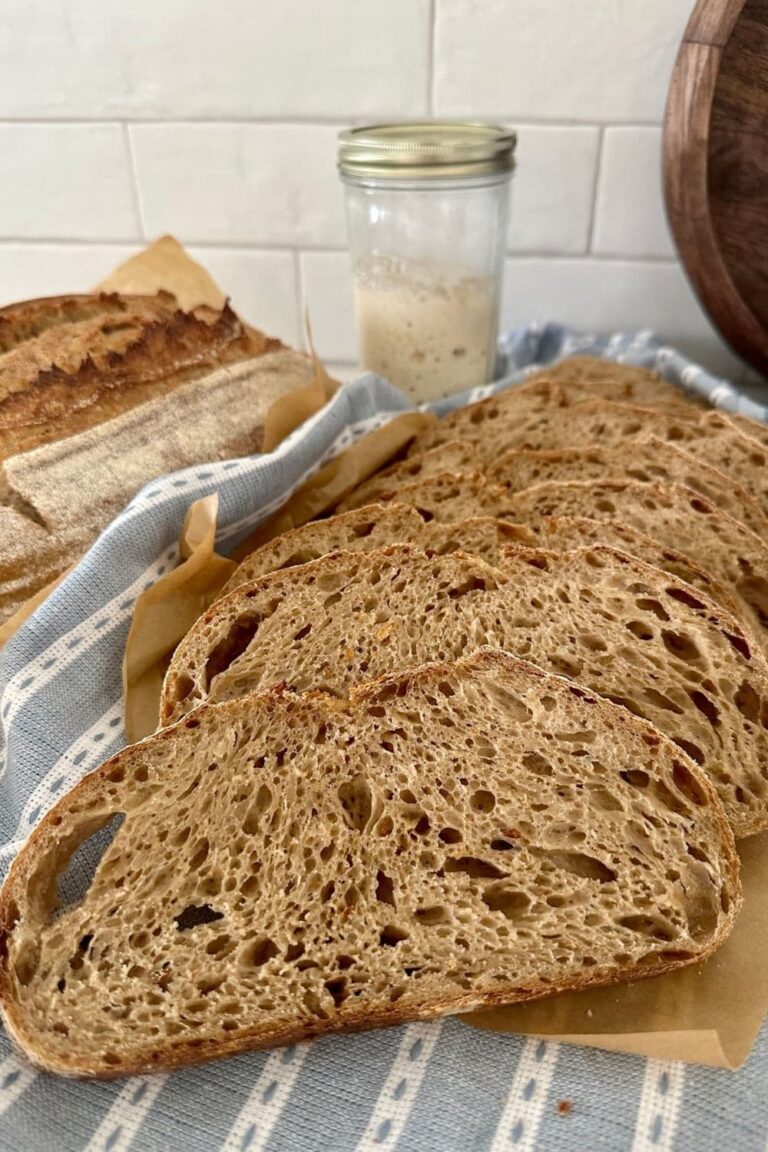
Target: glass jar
x=427 y=221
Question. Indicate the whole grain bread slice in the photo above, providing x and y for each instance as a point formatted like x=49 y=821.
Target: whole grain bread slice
x=649 y=461
x=675 y=517
x=450 y=496
x=453 y=837
x=451 y=457
x=603 y=618
x=591 y=376
x=376 y=526
x=564 y=533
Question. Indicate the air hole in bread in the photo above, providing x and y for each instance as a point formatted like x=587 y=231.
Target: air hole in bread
x=422 y=825
x=706 y=706
x=636 y=777
x=228 y=650
x=684 y=597
x=660 y=700
x=255 y=813
x=650 y=604
x=482 y=801
x=385 y=889
x=435 y=914
x=475 y=868
x=680 y=645
x=449 y=835
x=754 y=589
x=257 y=952
x=79 y=867
x=739 y=644
x=579 y=864
x=748 y=702
x=385 y=826
x=509 y=902
x=537 y=763
x=391 y=935
x=199 y=855
x=500 y=845
x=182 y=688
x=220 y=946
x=652 y=926
x=196 y=914
x=692 y=749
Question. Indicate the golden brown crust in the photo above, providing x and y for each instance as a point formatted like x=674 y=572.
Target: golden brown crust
x=168 y=353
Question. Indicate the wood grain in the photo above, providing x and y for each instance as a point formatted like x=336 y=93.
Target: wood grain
x=716 y=167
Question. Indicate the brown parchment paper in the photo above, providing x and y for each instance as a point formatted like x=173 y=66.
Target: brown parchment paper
x=165 y=266
x=708 y=1013
x=164 y=613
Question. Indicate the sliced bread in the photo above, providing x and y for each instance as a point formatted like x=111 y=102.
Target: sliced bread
x=451 y=457
x=582 y=376
x=457 y=836
x=375 y=526
x=564 y=533
x=603 y=618
x=651 y=460
x=675 y=517
x=450 y=496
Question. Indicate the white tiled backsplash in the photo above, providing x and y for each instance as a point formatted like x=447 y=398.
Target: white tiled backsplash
x=119 y=122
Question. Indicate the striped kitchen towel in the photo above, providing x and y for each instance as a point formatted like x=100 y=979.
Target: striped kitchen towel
x=435 y=1087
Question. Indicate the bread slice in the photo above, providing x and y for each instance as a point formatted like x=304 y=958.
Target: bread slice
x=376 y=526
x=564 y=533
x=583 y=376
x=450 y=496
x=674 y=517
x=453 y=837
x=649 y=461
x=748 y=427
x=484 y=426
x=605 y=619
x=451 y=457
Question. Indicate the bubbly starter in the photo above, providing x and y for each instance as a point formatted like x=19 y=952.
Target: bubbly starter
x=427 y=329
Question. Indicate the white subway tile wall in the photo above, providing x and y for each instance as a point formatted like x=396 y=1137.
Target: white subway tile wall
x=217 y=123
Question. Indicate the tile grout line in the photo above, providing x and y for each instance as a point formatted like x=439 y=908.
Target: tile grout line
x=323 y=250
x=595 y=190
x=432 y=18
x=310 y=121
x=135 y=193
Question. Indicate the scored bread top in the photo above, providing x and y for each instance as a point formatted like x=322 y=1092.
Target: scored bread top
x=603 y=618
x=648 y=461
x=675 y=517
x=453 y=837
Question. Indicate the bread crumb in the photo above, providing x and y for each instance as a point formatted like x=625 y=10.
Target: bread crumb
x=564 y=1107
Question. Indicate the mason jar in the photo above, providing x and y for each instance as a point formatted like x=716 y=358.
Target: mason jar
x=427 y=209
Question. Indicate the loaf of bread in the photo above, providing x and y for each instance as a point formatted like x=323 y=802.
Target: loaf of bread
x=602 y=618
x=674 y=517
x=288 y=867
x=649 y=461
x=98 y=396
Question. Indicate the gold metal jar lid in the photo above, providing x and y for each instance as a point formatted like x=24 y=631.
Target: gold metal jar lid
x=432 y=150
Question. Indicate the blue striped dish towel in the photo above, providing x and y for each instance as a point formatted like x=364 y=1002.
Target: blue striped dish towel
x=426 y=1087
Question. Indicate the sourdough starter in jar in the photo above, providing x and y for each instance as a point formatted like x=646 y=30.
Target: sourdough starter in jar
x=427 y=220
x=430 y=329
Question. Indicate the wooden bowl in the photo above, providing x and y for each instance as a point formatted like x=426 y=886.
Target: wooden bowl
x=716 y=168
